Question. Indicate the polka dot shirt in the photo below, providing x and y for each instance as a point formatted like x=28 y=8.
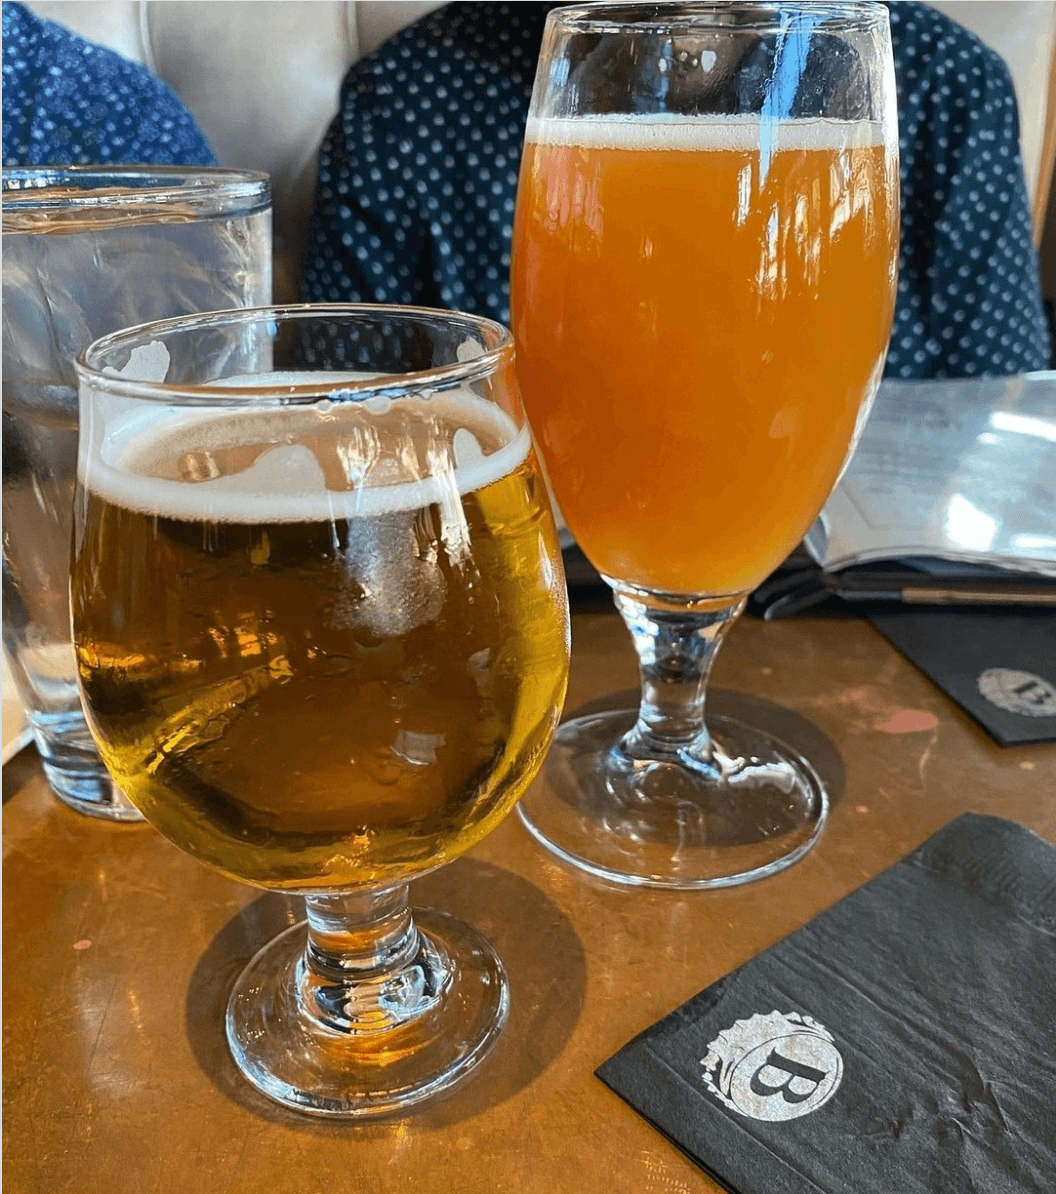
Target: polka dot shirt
x=969 y=295
x=418 y=178
x=68 y=102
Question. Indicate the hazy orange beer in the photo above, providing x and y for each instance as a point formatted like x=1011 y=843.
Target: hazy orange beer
x=700 y=307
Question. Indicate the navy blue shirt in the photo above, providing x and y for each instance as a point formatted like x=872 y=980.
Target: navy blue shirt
x=418 y=178
x=68 y=102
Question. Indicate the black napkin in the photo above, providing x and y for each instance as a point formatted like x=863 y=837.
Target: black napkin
x=902 y=1042
x=998 y=665
x=985 y=636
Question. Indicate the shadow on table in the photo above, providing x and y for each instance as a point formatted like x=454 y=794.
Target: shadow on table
x=791 y=728
x=542 y=953
x=18 y=769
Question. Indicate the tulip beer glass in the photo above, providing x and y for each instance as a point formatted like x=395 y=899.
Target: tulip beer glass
x=322 y=637
x=702 y=293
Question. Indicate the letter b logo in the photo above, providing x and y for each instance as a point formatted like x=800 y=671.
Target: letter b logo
x=809 y=1079
x=773 y=1067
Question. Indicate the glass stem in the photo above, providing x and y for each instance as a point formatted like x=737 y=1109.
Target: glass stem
x=366 y=969
x=676 y=645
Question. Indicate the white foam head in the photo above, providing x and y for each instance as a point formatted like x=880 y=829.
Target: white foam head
x=695 y=134
x=286 y=482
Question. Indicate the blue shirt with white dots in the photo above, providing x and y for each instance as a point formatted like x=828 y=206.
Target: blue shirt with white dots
x=418 y=178
x=68 y=102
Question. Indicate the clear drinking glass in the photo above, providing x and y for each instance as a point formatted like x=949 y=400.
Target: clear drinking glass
x=322 y=637
x=88 y=250
x=702 y=292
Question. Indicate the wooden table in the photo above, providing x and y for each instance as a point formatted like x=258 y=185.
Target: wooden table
x=119 y=951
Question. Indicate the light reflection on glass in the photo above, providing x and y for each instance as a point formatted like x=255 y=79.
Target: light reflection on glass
x=1034 y=543
x=1003 y=420
x=969 y=526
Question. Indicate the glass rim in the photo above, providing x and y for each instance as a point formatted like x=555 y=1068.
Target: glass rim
x=616 y=16
x=219 y=183
x=90 y=369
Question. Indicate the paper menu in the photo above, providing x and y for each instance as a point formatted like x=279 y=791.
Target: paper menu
x=959 y=470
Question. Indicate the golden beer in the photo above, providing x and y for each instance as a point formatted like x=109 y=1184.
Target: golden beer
x=310 y=656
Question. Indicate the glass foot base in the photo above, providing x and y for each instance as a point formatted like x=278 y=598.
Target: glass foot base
x=74 y=770
x=95 y=796
x=672 y=823
x=387 y=1062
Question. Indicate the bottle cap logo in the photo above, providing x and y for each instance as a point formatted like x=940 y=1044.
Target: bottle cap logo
x=773 y=1067
x=1018 y=692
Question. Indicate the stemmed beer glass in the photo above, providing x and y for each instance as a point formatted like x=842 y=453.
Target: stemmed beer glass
x=702 y=293
x=322 y=638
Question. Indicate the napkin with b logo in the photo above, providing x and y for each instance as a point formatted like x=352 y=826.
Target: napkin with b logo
x=902 y=1042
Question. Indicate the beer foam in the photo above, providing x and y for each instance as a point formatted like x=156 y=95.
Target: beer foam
x=329 y=382
x=148 y=362
x=286 y=482
x=287 y=468
x=673 y=131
